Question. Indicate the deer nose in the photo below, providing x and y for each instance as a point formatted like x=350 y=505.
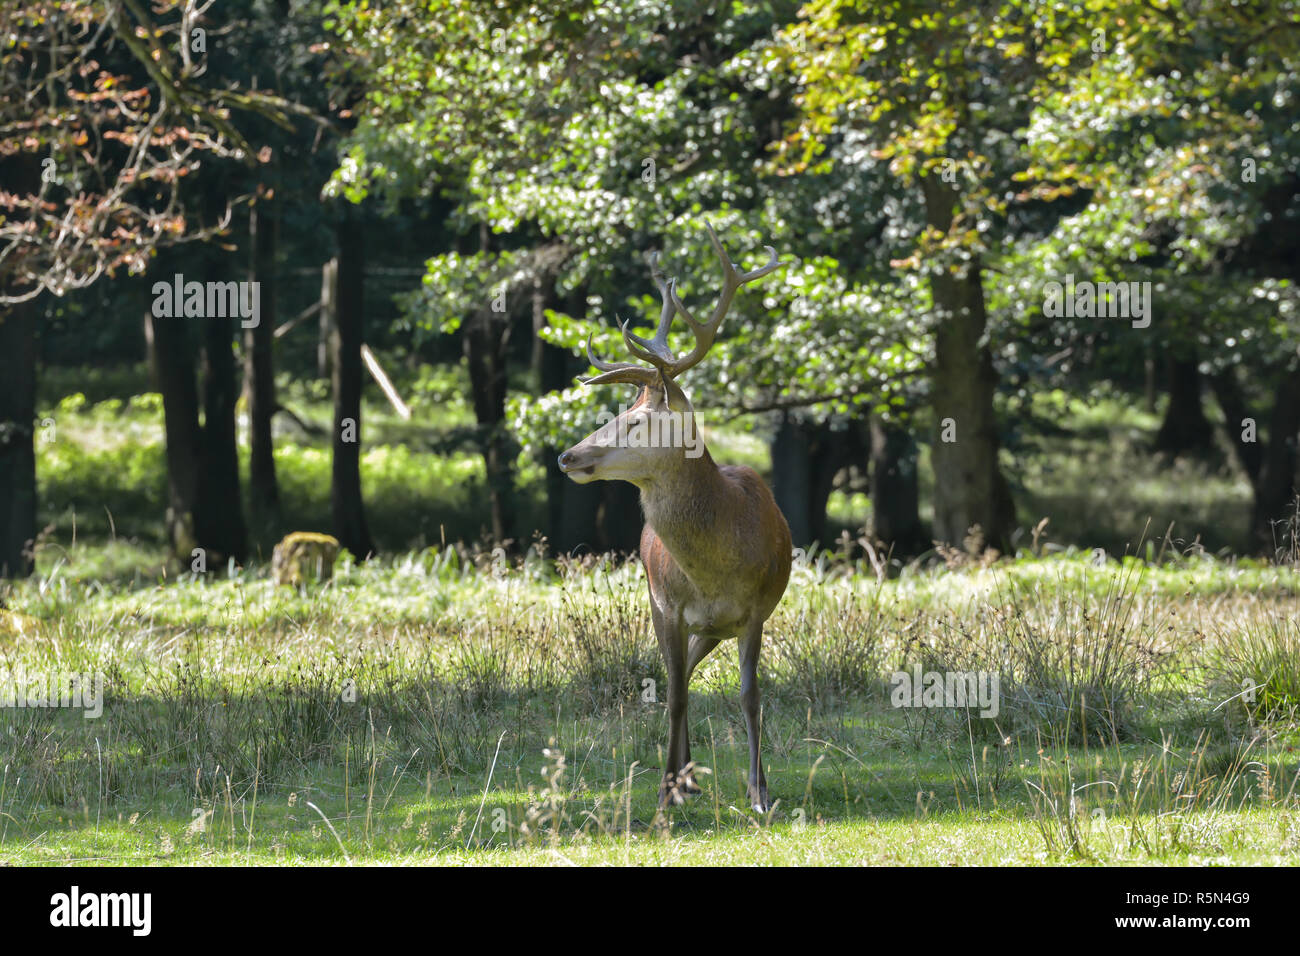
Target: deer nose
x=565 y=460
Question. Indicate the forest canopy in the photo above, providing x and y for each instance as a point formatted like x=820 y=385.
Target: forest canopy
x=997 y=221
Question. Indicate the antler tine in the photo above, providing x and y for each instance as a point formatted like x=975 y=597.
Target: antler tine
x=617 y=372
x=727 y=267
x=774 y=262
x=601 y=364
x=731 y=281
x=665 y=287
x=681 y=308
x=656 y=350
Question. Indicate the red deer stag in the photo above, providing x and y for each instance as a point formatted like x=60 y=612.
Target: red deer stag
x=716 y=547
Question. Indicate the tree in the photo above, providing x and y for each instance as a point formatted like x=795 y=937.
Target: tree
x=17 y=453
x=346 y=339
x=641 y=133
x=1095 y=141
x=259 y=369
x=1185 y=427
x=1183 y=136
x=172 y=357
x=928 y=184
x=938 y=91
x=101 y=122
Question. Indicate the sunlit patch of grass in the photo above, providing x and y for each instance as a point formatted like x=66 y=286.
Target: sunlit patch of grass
x=848 y=509
x=1256 y=668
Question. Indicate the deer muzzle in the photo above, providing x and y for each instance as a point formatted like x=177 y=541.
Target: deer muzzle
x=578 y=464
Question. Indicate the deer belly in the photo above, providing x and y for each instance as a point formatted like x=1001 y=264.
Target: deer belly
x=719 y=618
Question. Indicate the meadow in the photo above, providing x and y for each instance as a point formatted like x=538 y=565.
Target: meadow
x=447 y=704
x=1025 y=273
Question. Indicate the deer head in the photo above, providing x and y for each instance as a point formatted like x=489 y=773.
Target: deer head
x=658 y=431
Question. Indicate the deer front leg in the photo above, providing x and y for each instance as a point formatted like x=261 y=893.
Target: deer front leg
x=750 y=642
x=672 y=645
x=697 y=648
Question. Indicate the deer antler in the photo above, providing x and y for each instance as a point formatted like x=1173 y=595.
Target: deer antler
x=656 y=351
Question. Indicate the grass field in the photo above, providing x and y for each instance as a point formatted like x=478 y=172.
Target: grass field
x=436 y=707
x=442 y=704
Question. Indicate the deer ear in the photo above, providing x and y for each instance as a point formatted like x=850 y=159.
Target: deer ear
x=674 y=397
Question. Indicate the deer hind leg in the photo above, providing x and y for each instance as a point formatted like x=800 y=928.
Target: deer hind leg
x=750 y=642
x=672 y=645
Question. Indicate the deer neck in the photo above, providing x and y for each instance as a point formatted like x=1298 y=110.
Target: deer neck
x=684 y=504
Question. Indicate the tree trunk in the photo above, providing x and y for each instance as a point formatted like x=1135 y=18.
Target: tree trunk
x=484 y=345
x=329 y=292
x=172 y=358
x=259 y=376
x=552 y=368
x=1149 y=383
x=895 y=499
x=17 y=439
x=832 y=451
x=204 y=508
x=219 y=521
x=548 y=365
x=1227 y=390
x=485 y=335
x=806 y=458
x=1185 y=428
x=573 y=511
x=21 y=173
x=1275 y=491
x=969 y=488
x=792 y=477
x=348 y=509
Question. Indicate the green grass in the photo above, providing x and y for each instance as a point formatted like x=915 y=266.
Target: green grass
x=1089 y=467
x=439 y=704
x=438 y=707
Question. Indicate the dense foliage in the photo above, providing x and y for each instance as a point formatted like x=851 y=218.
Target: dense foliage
x=929 y=172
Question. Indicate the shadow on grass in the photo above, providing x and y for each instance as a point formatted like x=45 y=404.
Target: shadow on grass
x=417 y=770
